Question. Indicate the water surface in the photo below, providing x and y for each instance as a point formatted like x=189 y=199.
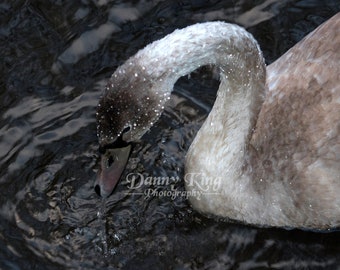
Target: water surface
x=55 y=59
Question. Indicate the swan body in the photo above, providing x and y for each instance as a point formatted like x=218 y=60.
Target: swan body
x=269 y=151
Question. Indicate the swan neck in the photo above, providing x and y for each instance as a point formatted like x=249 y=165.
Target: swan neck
x=227 y=46
x=238 y=57
x=146 y=80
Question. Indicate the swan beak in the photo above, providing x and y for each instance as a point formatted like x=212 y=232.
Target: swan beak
x=112 y=165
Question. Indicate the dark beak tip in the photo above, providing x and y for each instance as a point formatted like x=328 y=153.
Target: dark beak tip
x=97 y=190
x=100 y=192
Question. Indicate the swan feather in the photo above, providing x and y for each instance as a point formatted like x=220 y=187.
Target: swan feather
x=269 y=151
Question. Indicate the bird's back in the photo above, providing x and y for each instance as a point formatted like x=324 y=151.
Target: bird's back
x=297 y=138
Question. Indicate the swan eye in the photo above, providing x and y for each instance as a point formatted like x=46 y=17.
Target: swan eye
x=126 y=130
x=125 y=133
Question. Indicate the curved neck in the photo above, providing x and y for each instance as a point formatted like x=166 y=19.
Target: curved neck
x=154 y=70
x=242 y=73
x=227 y=46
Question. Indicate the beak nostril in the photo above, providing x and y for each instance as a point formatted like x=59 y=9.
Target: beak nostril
x=97 y=190
x=110 y=161
x=112 y=165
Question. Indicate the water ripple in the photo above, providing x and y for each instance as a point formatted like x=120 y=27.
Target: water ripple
x=50 y=83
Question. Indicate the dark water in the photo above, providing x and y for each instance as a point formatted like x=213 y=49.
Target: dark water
x=55 y=58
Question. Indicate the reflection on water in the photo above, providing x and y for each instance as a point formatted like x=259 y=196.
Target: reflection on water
x=56 y=56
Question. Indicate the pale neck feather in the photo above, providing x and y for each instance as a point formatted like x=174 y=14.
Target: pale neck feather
x=219 y=149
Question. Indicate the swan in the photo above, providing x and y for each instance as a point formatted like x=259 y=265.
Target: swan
x=268 y=153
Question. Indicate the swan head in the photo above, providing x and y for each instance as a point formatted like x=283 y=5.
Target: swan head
x=128 y=108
